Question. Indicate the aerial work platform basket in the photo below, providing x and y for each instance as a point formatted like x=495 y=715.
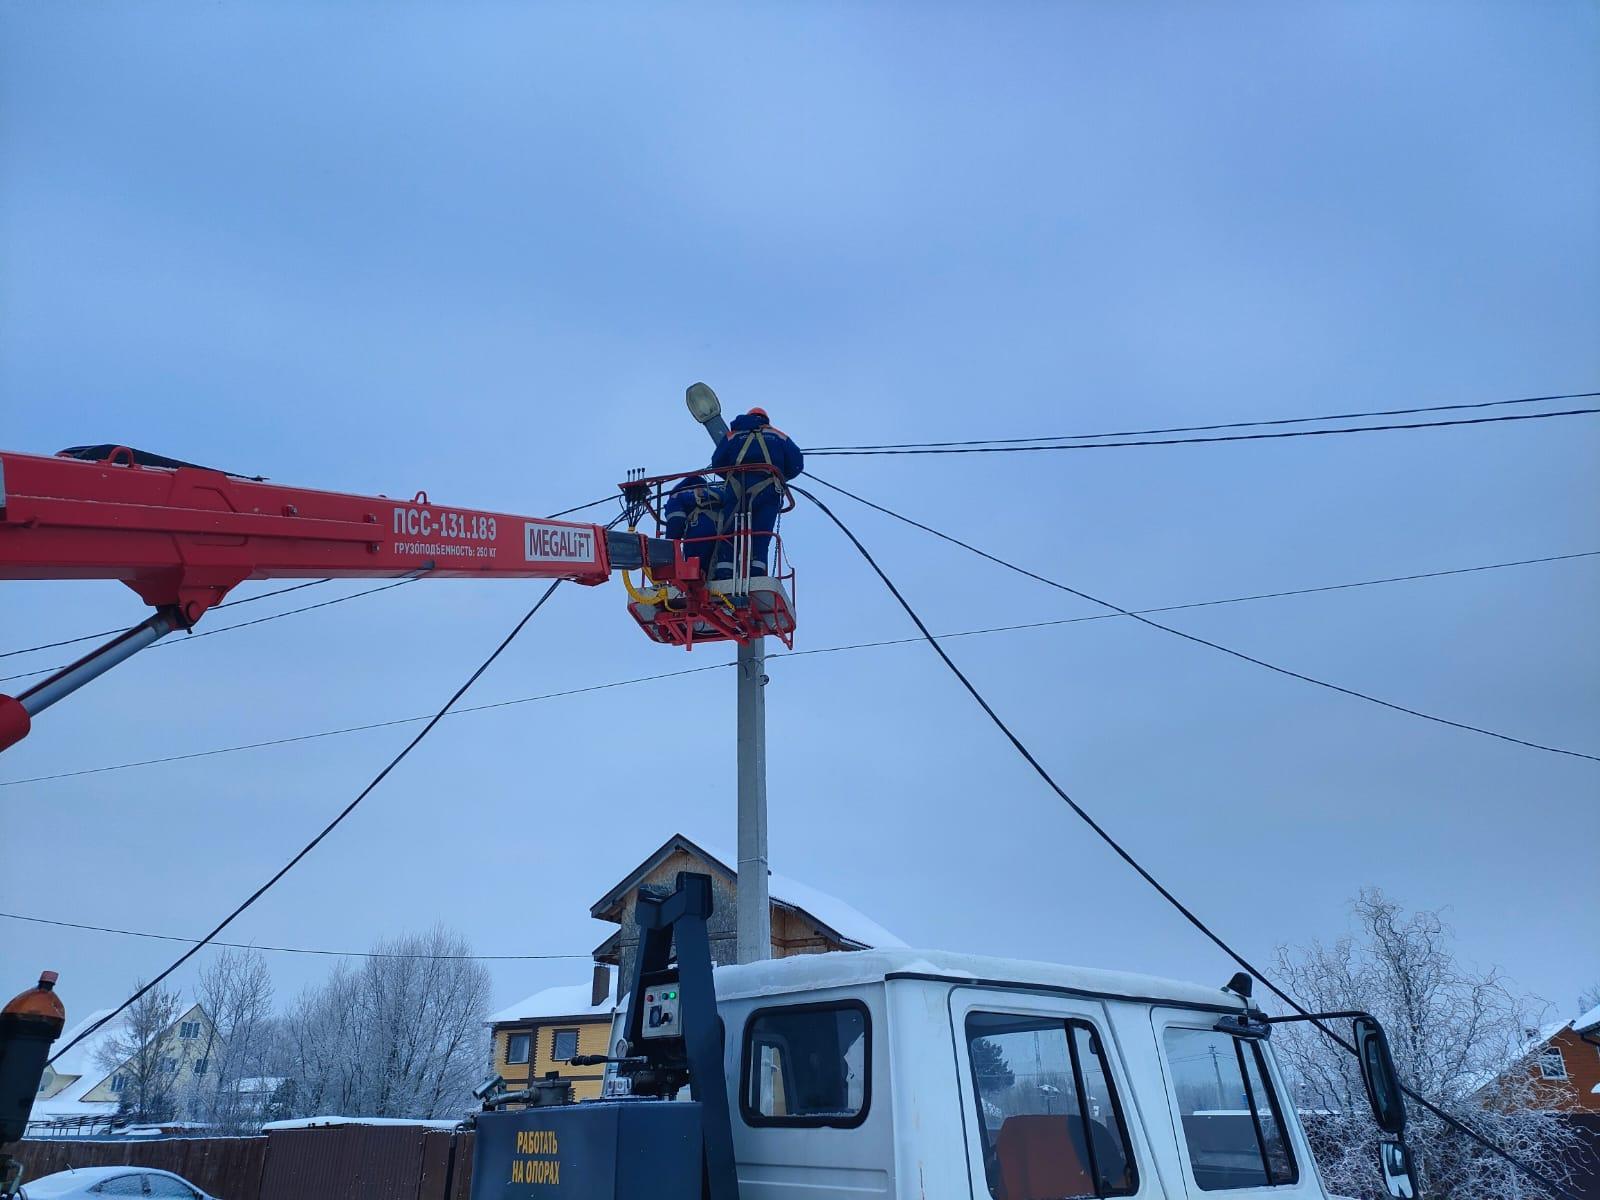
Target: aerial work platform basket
x=716 y=590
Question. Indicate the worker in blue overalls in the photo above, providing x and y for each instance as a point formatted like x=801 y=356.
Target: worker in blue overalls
x=752 y=441
x=694 y=511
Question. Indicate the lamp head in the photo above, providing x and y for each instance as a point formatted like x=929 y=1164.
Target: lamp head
x=703 y=403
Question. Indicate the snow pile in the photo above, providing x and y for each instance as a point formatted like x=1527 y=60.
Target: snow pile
x=571 y=1000
x=330 y=1122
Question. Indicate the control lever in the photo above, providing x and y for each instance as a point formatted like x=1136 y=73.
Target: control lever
x=600 y=1060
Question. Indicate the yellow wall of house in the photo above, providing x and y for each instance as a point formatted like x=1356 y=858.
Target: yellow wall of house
x=594 y=1037
x=185 y=1051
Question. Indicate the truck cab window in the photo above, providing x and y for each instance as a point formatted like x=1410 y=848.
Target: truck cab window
x=807 y=1065
x=1048 y=1114
x=1232 y=1121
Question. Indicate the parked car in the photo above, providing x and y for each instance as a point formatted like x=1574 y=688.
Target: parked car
x=90 y=1183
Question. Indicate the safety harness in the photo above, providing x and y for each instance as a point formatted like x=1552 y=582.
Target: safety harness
x=744 y=491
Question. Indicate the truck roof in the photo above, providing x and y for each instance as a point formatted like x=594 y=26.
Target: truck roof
x=810 y=972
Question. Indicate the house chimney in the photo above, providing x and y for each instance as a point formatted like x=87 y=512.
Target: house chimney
x=600 y=990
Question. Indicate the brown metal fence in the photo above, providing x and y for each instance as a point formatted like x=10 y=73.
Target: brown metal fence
x=343 y=1162
x=226 y=1167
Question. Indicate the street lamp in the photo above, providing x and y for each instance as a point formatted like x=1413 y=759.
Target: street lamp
x=703 y=403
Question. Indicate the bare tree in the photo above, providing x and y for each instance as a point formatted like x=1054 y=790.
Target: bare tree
x=1589 y=999
x=1459 y=1037
x=142 y=1062
x=400 y=1036
x=224 y=1087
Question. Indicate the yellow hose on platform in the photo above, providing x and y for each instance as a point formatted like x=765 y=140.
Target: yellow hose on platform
x=656 y=598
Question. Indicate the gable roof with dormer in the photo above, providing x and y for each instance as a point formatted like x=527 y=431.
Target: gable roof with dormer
x=831 y=917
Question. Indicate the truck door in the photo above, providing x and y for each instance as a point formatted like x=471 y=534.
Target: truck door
x=812 y=1106
x=1236 y=1130
x=1045 y=1098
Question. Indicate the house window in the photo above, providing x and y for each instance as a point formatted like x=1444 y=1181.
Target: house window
x=1232 y=1121
x=200 y=1065
x=189 y=1029
x=1551 y=1064
x=168 y=1065
x=517 y=1047
x=118 y=1082
x=807 y=1065
x=564 y=1047
x=1049 y=1115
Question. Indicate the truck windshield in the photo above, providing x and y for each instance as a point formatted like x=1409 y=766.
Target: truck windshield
x=1231 y=1118
x=1051 y=1124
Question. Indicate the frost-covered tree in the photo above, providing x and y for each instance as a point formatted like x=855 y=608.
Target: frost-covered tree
x=141 y=1058
x=1460 y=1037
x=1589 y=999
x=399 y=1036
x=235 y=989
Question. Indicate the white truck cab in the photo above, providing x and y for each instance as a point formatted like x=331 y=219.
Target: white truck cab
x=926 y=1075
x=916 y=1075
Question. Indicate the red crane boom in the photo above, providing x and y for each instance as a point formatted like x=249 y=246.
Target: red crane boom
x=182 y=536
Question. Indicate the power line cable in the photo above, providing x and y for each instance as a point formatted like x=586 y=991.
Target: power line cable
x=204 y=633
x=566 y=512
x=1112 y=616
x=1117 y=847
x=1128 y=433
x=167 y=937
x=1193 y=441
x=89 y=637
x=326 y=829
x=327 y=733
x=1190 y=637
x=817 y=650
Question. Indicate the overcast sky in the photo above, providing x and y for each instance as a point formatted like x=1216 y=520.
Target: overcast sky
x=481 y=249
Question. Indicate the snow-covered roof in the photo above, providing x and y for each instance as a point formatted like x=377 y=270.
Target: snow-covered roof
x=83 y=1060
x=1537 y=1040
x=254 y=1084
x=808 y=972
x=832 y=912
x=829 y=911
x=324 y=1122
x=1587 y=1021
x=571 y=1000
x=838 y=916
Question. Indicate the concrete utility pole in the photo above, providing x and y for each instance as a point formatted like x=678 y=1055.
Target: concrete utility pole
x=755 y=911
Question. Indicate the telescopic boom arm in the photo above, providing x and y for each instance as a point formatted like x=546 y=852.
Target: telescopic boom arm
x=182 y=536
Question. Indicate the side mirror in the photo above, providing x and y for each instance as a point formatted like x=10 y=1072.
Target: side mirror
x=1395 y=1161
x=1383 y=1085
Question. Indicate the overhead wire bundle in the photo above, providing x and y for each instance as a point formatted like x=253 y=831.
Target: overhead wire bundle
x=1144 y=873
x=1155 y=437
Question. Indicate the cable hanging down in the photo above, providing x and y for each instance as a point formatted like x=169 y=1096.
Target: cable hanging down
x=326 y=829
x=1200 y=641
x=1122 y=853
x=815 y=650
